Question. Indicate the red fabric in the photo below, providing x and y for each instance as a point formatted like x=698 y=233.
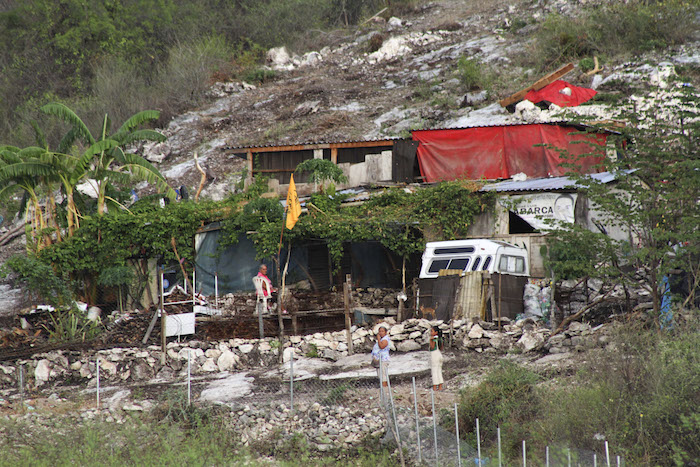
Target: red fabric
x=551 y=93
x=501 y=152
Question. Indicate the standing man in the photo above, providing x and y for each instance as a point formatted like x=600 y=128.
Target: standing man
x=267 y=288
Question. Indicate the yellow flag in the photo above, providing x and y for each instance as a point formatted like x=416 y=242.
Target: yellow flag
x=293 y=206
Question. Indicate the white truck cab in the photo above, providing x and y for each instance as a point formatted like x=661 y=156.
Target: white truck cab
x=493 y=256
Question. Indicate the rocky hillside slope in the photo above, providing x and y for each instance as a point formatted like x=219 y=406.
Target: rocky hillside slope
x=385 y=79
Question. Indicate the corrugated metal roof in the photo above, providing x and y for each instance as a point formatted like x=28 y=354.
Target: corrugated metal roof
x=544 y=184
x=312 y=143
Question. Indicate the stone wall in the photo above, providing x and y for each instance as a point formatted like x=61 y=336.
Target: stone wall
x=136 y=365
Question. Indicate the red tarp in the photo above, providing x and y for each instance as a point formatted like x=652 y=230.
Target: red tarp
x=501 y=152
x=552 y=93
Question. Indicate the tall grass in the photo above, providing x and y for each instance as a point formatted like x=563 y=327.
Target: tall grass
x=615 y=29
x=643 y=398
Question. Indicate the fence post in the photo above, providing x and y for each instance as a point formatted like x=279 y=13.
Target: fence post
x=524 y=455
x=432 y=399
x=595 y=460
x=459 y=455
x=291 y=379
x=382 y=393
x=568 y=456
x=478 y=442
x=415 y=409
x=189 y=377
x=498 y=433
x=546 y=455
x=163 y=319
x=397 y=433
x=348 y=321
x=216 y=291
x=618 y=461
x=607 y=453
x=21 y=383
x=98 y=383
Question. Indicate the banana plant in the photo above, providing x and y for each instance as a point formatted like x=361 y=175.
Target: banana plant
x=106 y=158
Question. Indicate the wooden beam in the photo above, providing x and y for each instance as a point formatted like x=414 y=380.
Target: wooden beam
x=311 y=146
x=550 y=78
x=334 y=155
x=250 y=166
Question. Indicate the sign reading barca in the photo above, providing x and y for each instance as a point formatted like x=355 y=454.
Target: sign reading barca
x=544 y=210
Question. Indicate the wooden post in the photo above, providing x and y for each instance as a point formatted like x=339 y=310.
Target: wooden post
x=163 y=318
x=348 y=322
x=499 y=300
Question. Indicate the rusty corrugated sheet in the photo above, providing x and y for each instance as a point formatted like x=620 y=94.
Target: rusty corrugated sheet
x=469 y=299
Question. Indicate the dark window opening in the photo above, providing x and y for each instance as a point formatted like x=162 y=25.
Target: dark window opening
x=517 y=225
x=438 y=265
x=460 y=263
x=454 y=251
x=475 y=266
x=487 y=263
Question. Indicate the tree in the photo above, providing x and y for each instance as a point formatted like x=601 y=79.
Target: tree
x=104 y=158
x=654 y=197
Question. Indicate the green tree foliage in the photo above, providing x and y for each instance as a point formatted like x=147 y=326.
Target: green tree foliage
x=105 y=154
x=400 y=221
x=654 y=198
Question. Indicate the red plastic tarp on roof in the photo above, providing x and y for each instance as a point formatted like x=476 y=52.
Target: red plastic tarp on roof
x=500 y=152
x=553 y=93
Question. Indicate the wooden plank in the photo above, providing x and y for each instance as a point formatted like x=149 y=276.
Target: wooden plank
x=518 y=96
x=309 y=146
x=334 y=155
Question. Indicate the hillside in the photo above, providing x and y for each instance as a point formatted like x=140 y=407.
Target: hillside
x=412 y=80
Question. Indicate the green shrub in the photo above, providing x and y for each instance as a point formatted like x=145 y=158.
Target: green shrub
x=72 y=325
x=259 y=75
x=617 y=28
x=39 y=278
x=507 y=398
x=473 y=74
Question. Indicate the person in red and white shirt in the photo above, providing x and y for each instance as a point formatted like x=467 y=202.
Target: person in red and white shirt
x=267 y=289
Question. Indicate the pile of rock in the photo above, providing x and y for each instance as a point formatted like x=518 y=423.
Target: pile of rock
x=324 y=427
x=578 y=338
x=376 y=298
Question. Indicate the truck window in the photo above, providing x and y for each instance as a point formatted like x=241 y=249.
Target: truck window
x=475 y=266
x=438 y=264
x=513 y=264
x=487 y=263
x=459 y=263
x=454 y=250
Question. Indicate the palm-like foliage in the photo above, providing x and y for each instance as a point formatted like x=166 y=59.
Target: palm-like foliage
x=104 y=158
x=25 y=170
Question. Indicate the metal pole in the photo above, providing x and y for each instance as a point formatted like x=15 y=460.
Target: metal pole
x=618 y=461
x=189 y=380
x=98 y=384
x=432 y=399
x=163 y=319
x=524 y=455
x=568 y=456
x=498 y=433
x=595 y=460
x=381 y=381
x=478 y=442
x=459 y=456
x=393 y=412
x=415 y=409
x=291 y=380
x=194 y=287
x=216 y=290
x=546 y=452
x=607 y=453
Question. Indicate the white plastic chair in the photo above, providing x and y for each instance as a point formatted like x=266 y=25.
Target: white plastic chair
x=261 y=285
